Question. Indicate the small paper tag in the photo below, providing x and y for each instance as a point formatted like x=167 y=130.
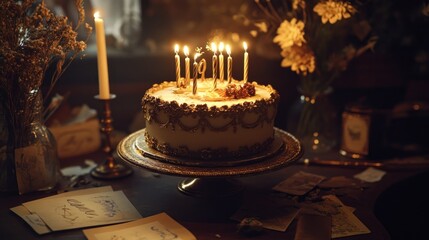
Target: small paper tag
x=370 y=175
x=30 y=169
x=274 y=218
x=299 y=183
x=35 y=222
x=313 y=227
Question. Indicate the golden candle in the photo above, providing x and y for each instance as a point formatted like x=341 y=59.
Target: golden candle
x=246 y=63
x=194 y=82
x=187 y=66
x=103 y=76
x=177 y=61
x=221 y=62
x=214 y=64
x=202 y=69
x=229 y=65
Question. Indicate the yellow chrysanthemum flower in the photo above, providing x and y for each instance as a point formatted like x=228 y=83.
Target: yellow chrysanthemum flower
x=298 y=3
x=290 y=33
x=334 y=10
x=299 y=58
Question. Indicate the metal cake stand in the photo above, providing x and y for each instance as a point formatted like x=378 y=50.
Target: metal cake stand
x=210 y=178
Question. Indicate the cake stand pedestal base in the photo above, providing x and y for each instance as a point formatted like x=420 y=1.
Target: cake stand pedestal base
x=210 y=187
x=210 y=178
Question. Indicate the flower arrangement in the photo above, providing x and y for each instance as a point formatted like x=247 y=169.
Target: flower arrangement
x=318 y=38
x=32 y=38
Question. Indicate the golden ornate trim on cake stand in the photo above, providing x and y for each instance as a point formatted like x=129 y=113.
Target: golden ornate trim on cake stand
x=209 y=179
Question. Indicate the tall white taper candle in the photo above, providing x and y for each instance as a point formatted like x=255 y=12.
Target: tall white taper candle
x=103 y=75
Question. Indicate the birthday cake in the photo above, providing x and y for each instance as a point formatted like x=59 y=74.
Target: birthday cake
x=230 y=121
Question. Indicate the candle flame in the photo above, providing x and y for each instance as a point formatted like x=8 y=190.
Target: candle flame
x=214 y=47
x=196 y=56
x=221 y=46
x=228 y=49
x=186 y=50
x=176 y=48
x=245 y=46
x=97 y=14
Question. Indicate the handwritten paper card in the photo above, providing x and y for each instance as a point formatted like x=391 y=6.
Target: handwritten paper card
x=36 y=223
x=157 y=227
x=84 y=210
x=299 y=183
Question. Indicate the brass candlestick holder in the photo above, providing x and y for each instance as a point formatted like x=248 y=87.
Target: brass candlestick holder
x=110 y=169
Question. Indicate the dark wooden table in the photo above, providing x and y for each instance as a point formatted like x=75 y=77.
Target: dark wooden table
x=209 y=218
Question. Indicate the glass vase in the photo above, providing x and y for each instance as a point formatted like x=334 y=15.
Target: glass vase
x=28 y=159
x=314 y=120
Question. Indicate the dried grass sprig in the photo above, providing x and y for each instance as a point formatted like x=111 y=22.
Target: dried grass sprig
x=32 y=38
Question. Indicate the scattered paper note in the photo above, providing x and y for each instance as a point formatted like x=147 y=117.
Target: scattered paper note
x=84 y=210
x=78 y=170
x=370 y=175
x=36 y=223
x=345 y=223
x=313 y=227
x=273 y=215
x=157 y=227
x=299 y=183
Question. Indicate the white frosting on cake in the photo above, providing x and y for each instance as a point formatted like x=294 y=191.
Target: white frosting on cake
x=207 y=123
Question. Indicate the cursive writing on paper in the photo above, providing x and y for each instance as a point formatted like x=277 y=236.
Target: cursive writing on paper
x=90 y=213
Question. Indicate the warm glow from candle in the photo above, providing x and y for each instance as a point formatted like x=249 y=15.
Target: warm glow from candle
x=214 y=47
x=196 y=56
x=176 y=48
x=245 y=46
x=221 y=46
x=186 y=50
x=228 y=50
x=97 y=14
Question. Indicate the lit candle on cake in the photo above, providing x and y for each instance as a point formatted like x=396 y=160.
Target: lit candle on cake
x=103 y=76
x=194 y=83
x=187 y=65
x=214 y=64
x=221 y=63
x=177 y=60
x=229 y=65
x=202 y=69
x=246 y=63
